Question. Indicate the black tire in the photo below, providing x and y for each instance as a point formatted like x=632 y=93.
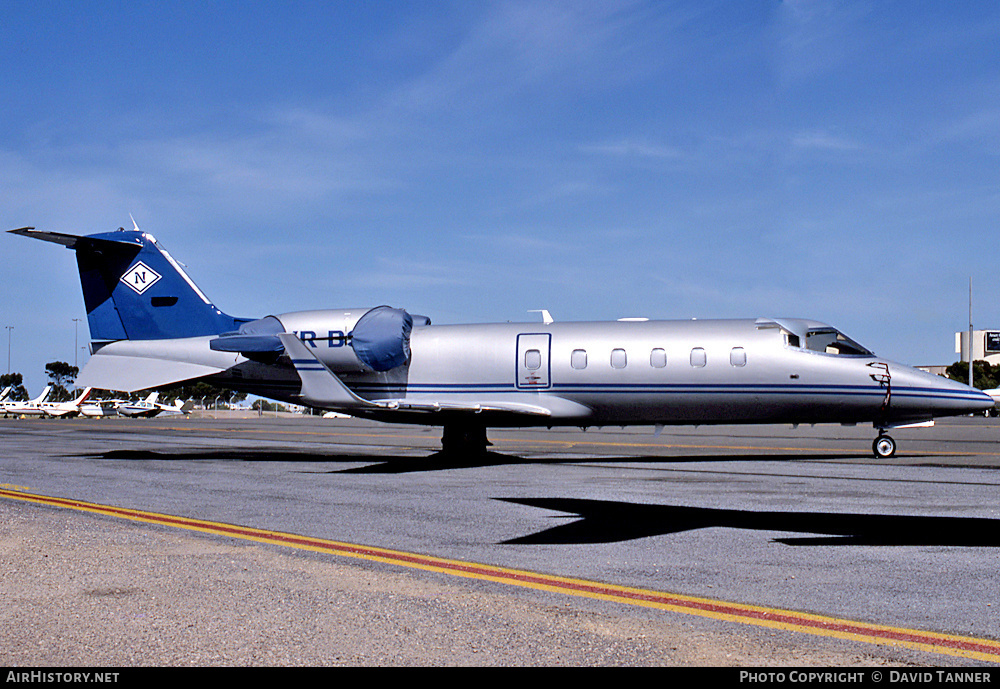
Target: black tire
x=884 y=447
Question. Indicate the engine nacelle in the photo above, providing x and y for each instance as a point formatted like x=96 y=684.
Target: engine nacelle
x=346 y=340
x=329 y=334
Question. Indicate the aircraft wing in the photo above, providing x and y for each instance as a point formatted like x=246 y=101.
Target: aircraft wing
x=131 y=373
x=322 y=388
x=430 y=406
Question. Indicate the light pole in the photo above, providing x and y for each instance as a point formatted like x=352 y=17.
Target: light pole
x=76 y=347
x=970 y=332
x=9 y=328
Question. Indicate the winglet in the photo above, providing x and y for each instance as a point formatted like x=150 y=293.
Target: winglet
x=320 y=387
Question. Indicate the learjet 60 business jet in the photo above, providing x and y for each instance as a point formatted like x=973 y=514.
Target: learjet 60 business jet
x=151 y=327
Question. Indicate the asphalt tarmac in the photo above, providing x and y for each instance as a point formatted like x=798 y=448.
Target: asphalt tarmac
x=764 y=545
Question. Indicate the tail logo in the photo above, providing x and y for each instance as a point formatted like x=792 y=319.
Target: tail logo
x=140 y=277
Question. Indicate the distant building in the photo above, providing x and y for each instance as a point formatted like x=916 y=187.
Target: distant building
x=985 y=346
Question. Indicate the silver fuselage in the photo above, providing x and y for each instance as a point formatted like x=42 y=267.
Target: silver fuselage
x=620 y=373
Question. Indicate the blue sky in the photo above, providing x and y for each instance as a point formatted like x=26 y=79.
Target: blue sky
x=470 y=161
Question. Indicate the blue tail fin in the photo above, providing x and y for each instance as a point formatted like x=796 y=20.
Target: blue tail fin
x=134 y=290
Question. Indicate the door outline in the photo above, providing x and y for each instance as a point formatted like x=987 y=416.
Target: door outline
x=541 y=377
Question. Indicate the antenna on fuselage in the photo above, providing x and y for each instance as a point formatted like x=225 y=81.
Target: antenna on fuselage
x=546 y=316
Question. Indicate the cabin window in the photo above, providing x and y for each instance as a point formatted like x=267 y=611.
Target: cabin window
x=698 y=358
x=738 y=356
x=618 y=359
x=532 y=359
x=658 y=358
x=578 y=359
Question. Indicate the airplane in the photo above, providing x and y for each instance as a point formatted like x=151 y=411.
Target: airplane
x=149 y=407
x=6 y=393
x=994 y=394
x=99 y=408
x=151 y=326
x=29 y=408
x=65 y=409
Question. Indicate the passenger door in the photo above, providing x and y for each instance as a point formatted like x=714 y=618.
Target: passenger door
x=533 y=361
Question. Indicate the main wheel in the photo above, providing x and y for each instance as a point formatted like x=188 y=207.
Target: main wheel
x=884 y=447
x=464 y=440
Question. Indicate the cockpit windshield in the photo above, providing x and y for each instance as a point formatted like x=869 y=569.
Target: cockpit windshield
x=832 y=341
x=814 y=336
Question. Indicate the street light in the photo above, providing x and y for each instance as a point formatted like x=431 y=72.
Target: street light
x=9 y=328
x=76 y=345
x=971 y=358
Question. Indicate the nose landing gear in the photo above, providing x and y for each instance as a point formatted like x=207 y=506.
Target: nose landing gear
x=884 y=446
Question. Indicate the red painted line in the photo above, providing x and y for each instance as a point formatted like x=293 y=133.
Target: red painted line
x=984 y=649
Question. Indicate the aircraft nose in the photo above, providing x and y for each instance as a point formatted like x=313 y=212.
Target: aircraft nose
x=983 y=402
x=948 y=397
x=971 y=400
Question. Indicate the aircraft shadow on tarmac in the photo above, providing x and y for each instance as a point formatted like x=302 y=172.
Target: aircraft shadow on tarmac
x=377 y=464
x=438 y=461
x=599 y=521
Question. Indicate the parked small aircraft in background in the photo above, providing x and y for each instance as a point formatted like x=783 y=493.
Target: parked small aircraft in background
x=29 y=408
x=96 y=409
x=151 y=326
x=6 y=393
x=65 y=409
x=994 y=394
x=149 y=407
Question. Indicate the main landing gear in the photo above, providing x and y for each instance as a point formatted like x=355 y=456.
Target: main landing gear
x=884 y=446
x=464 y=440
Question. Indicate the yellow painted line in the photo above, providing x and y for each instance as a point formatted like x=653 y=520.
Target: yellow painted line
x=574 y=443
x=776 y=618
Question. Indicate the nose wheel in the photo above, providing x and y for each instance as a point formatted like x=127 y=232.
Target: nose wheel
x=884 y=446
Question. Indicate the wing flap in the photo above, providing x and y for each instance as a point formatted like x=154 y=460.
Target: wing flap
x=431 y=406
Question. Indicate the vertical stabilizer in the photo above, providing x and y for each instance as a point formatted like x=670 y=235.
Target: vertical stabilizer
x=134 y=290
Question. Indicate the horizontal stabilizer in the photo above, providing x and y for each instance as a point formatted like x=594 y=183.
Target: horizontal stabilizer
x=72 y=241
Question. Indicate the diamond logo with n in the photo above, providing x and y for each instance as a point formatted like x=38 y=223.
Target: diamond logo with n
x=140 y=277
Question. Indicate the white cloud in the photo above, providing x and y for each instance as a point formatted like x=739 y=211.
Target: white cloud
x=823 y=140
x=632 y=148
